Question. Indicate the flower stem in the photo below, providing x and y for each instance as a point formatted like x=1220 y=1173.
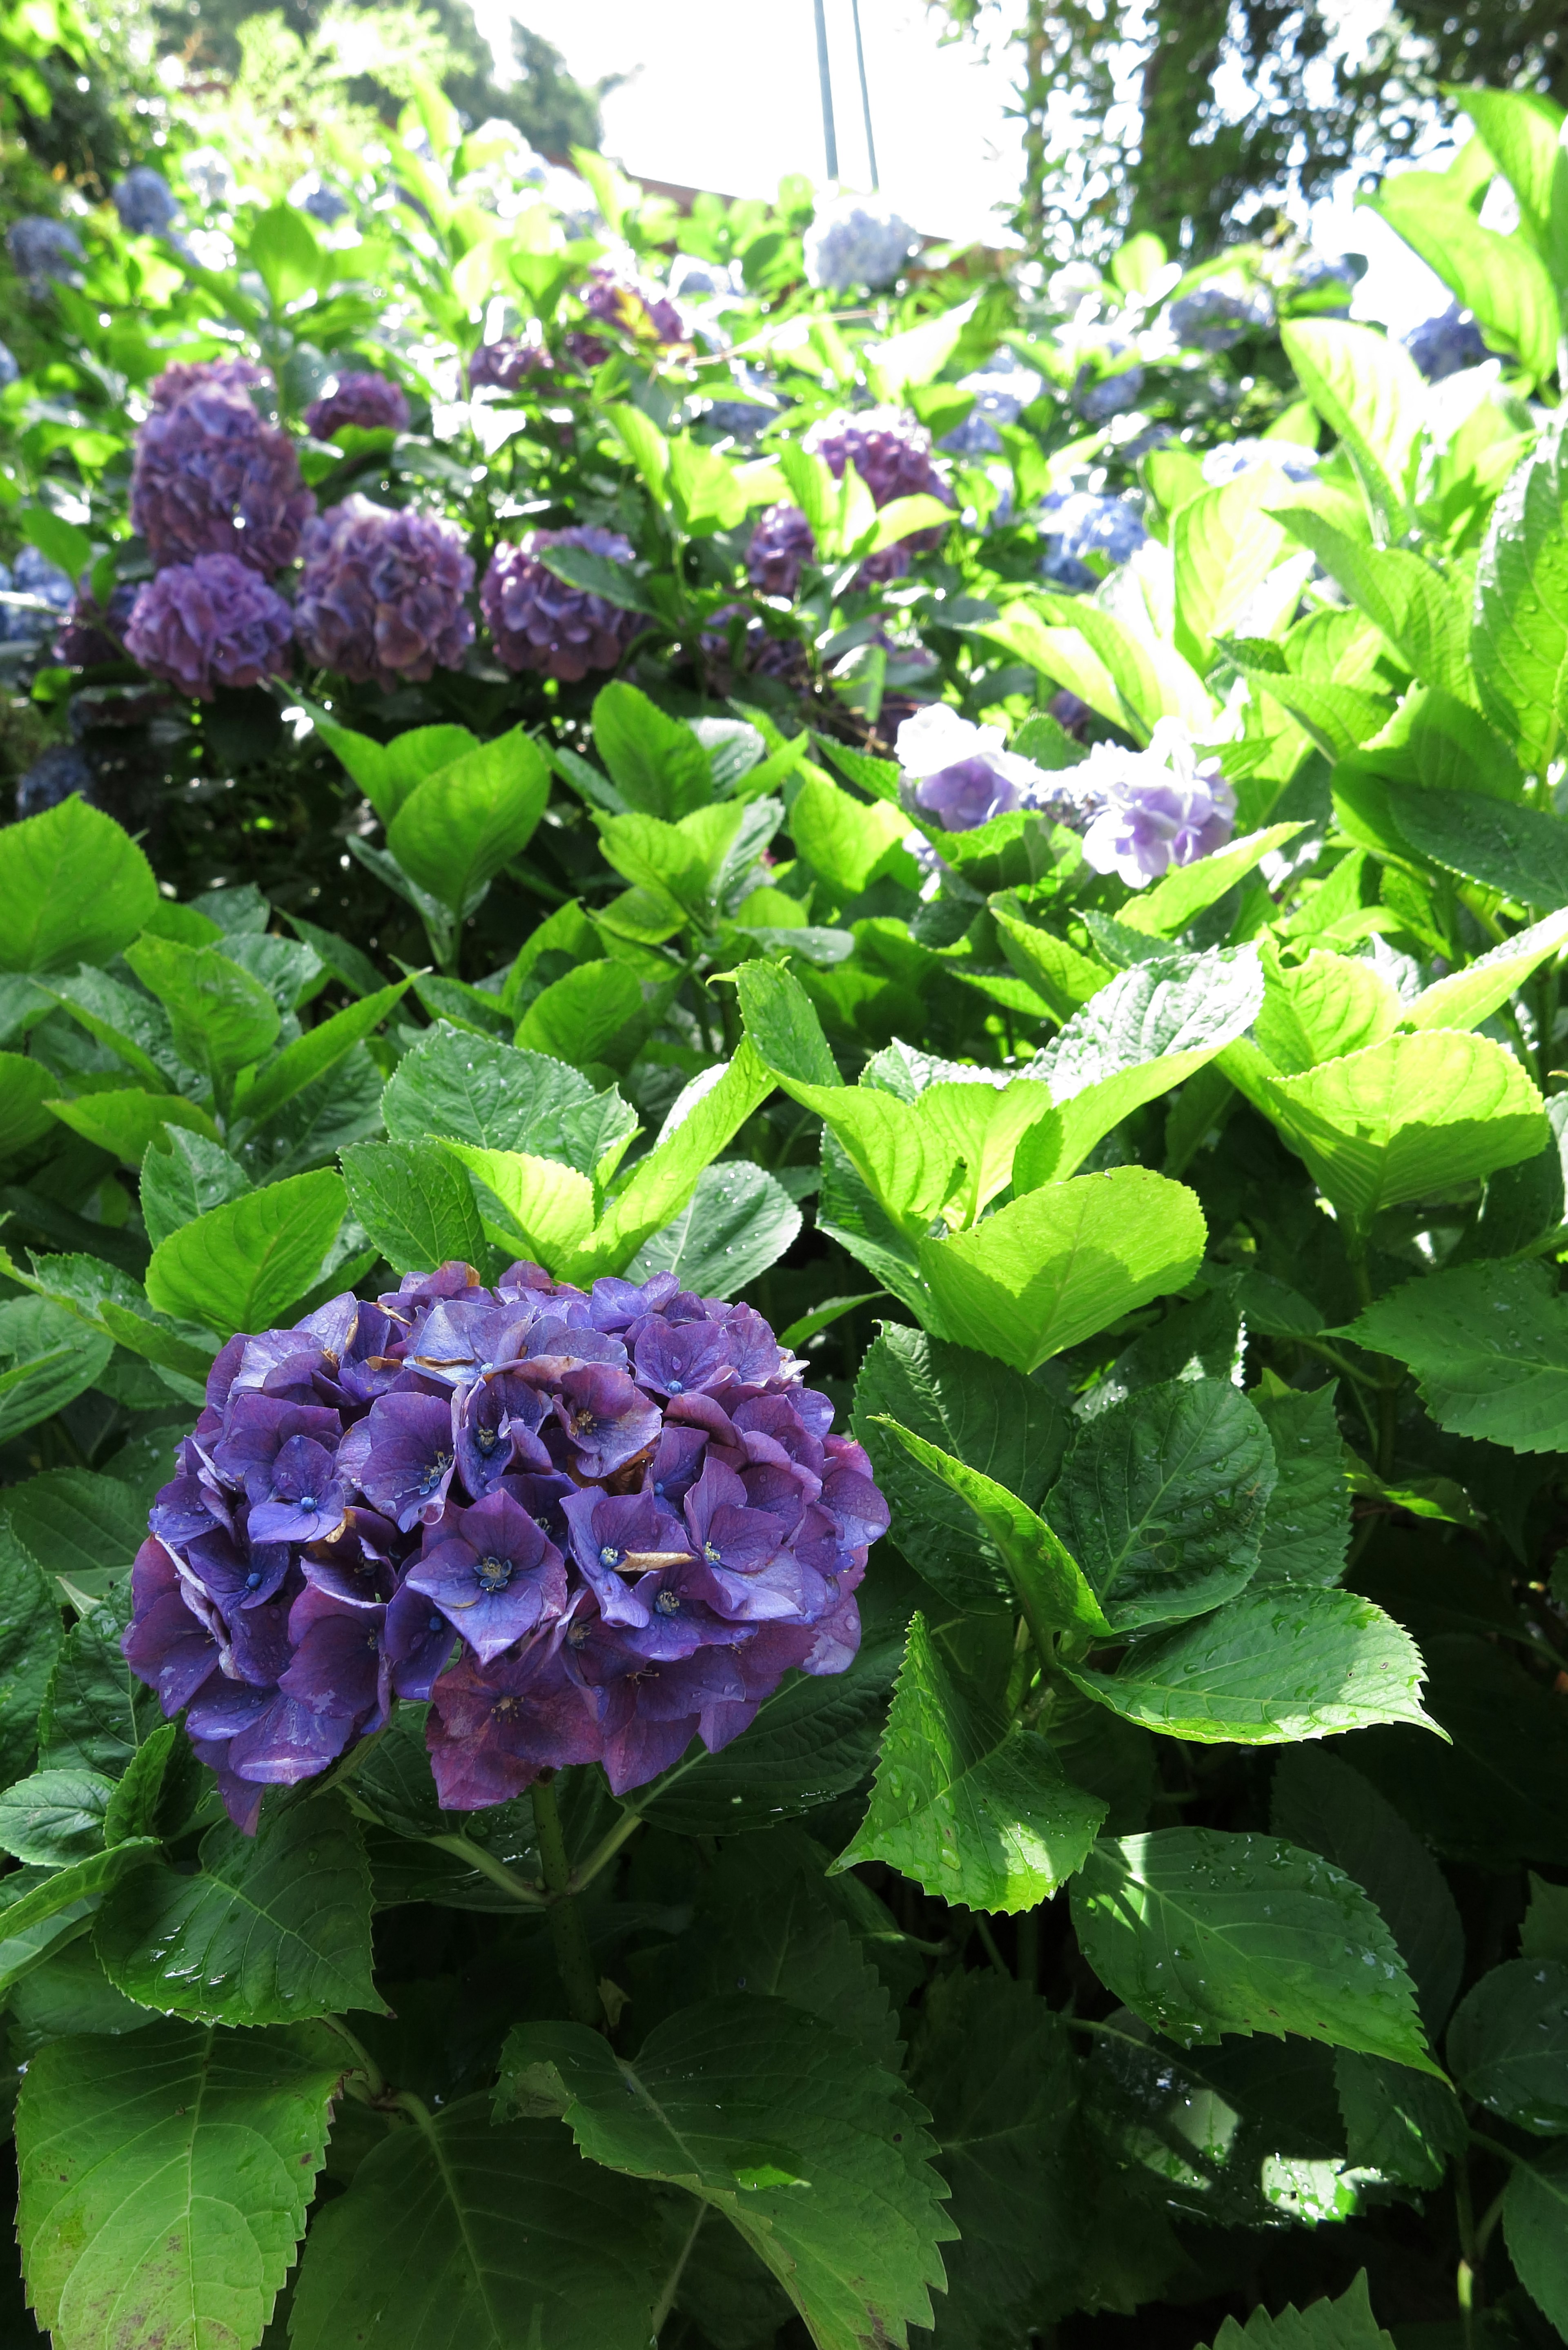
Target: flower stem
x=573 y=1959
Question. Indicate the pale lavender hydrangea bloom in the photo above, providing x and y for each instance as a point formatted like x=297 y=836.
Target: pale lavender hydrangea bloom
x=1157 y=807
x=145 y=202
x=960 y=774
x=1215 y=317
x=506 y=364
x=211 y=478
x=209 y=623
x=373 y=401
x=859 y=241
x=540 y=622
x=380 y=593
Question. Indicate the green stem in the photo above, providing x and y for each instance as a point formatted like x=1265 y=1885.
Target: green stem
x=663 y=2306
x=573 y=1959
x=475 y=1855
x=604 y=1851
x=375 y=2079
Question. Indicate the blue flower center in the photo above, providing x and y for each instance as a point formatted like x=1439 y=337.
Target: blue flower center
x=252 y=1580
x=486 y=1440
x=307 y=1502
x=676 y=1387
x=668 y=1603
x=609 y=1555
x=712 y=1554
x=436 y=1623
x=494 y=1574
x=439 y=1465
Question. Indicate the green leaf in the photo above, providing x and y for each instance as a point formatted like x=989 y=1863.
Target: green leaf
x=475 y=1089
x=311 y=1055
x=1518 y=851
x=995 y=2068
x=847 y=843
x=601 y=575
x=76 y=1524
x=656 y=764
x=415 y=1204
x=738 y=1221
x=48 y=1361
x=1401 y=2125
x=1050 y=1584
x=220 y=1017
x=136 y=1806
x=46 y=1907
x=182 y=1177
x=584 y=1015
x=1366 y=389
x=976 y=1809
x=1409 y=603
x=27 y=1111
x=1463 y=999
x=127 y=1021
x=96 y=1714
x=1489 y=1798
x=55 y=1816
x=1519 y=639
x=1307 y=1530
x=164 y=2181
x=1162 y=1500
x=1225 y=545
x=67 y=547
x=1189 y=890
x=1325 y=1805
x=1536 y=2230
x=1346 y=2324
x=1545 y=1933
x=504 y=2230
x=817 y=2157
x=1489 y=1346
x=549 y=1208
x=1203 y=1933
x=388 y=771
x=1408 y=1118
x=460 y=826
x=1320 y=1009
x=1508 y=2044
x=1220 y=1681
x=1501 y=279
x=283 y=251
x=1060 y=1263
x=73 y=888
x=704 y=1122
x=980 y=1412
x=31 y=1631
x=1520 y=131
x=241 y=1267
x=275 y=1927
x=130 y=1123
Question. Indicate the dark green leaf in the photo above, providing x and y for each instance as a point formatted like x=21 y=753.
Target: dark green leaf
x=1488 y=1343
x=657 y=765
x=275 y=1927
x=1307 y=1529
x=1508 y=2044
x=241 y=1267
x=55 y=1816
x=1519 y=643
x=1401 y=2125
x=416 y=1203
x=738 y=1222
x=1343 y=2325
x=1535 y=2228
x=183 y=1176
x=31 y=1631
x=219 y=1017
x=75 y=1523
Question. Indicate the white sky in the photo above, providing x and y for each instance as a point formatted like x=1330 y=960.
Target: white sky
x=723 y=94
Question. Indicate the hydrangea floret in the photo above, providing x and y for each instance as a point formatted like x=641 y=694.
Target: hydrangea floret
x=1445 y=345
x=585 y=1526
x=381 y=594
x=145 y=202
x=209 y=623
x=960 y=774
x=373 y=401
x=1214 y=317
x=210 y=477
x=538 y=622
x=1080 y=522
x=508 y=361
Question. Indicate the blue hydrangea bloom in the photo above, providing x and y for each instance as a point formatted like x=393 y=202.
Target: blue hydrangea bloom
x=1078 y=524
x=55 y=775
x=1101 y=398
x=34 y=576
x=43 y=251
x=859 y=241
x=145 y=202
x=1214 y=318
x=1230 y=459
x=1442 y=345
x=9 y=370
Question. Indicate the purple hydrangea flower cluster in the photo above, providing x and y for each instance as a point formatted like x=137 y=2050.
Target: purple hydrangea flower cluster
x=1444 y=346
x=960 y=774
x=782 y=544
x=890 y=449
x=540 y=622
x=373 y=401
x=210 y=623
x=187 y=375
x=58 y=774
x=211 y=478
x=619 y=298
x=380 y=593
x=10 y=367
x=1154 y=808
x=509 y=363
x=145 y=202
x=1100 y=398
x=620 y=1509
x=859 y=241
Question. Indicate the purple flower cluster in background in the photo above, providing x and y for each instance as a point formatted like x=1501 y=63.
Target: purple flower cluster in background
x=1445 y=345
x=619 y=298
x=960 y=774
x=211 y=478
x=95 y=633
x=508 y=363
x=145 y=202
x=782 y=544
x=380 y=593
x=540 y=622
x=210 y=623
x=1215 y=317
x=43 y=252
x=890 y=449
x=372 y=402
x=621 y=1510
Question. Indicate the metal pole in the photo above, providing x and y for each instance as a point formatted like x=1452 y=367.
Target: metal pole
x=825 y=75
x=865 y=96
